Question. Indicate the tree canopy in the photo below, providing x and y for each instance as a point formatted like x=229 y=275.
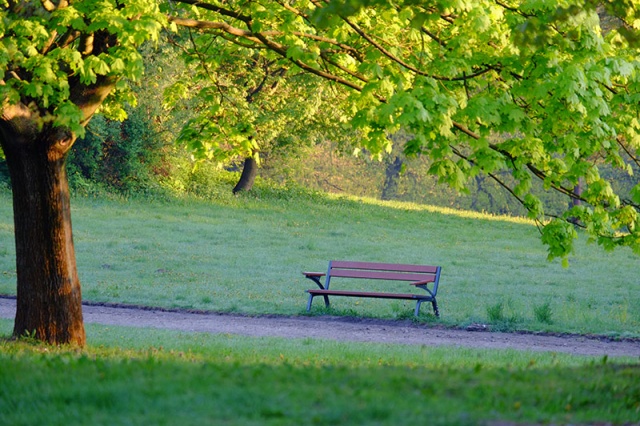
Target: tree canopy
x=56 y=55
x=242 y=103
x=546 y=90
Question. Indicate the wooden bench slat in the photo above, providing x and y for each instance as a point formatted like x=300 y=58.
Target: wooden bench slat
x=379 y=275
x=342 y=264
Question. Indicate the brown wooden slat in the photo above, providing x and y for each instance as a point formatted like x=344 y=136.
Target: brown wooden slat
x=407 y=296
x=342 y=264
x=380 y=275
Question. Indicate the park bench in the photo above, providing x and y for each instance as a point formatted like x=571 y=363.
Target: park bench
x=418 y=276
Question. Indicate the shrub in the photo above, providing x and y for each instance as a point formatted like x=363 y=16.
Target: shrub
x=495 y=313
x=543 y=313
x=124 y=156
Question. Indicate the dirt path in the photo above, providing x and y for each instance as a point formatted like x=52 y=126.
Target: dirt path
x=343 y=329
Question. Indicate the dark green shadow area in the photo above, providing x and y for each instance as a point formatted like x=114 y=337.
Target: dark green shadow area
x=192 y=379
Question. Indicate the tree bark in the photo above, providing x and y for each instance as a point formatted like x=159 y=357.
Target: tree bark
x=392 y=175
x=573 y=202
x=49 y=301
x=248 y=176
x=577 y=190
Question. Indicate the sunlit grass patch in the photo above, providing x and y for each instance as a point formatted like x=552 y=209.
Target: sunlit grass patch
x=408 y=206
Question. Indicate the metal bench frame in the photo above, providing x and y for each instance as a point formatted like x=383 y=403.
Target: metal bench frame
x=419 y=276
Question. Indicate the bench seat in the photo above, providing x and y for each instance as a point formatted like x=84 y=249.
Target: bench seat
x=407 y=296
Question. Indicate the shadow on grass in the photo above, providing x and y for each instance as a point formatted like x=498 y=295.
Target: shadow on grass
x=38 y=386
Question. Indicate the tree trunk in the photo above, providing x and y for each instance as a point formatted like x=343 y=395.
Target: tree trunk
x=392 y=175
x=49 y=301
x=573 y=202
x=577 y=191
x=248 y=176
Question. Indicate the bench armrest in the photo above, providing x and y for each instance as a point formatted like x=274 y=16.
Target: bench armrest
x=315 y=277
x=423 y=285
x=417 y=283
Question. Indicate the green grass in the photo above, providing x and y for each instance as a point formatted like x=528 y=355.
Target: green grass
x=156 y=377
x=245 y=254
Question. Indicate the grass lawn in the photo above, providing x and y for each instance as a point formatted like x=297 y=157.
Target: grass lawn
x=245 y=254
x=130 y=376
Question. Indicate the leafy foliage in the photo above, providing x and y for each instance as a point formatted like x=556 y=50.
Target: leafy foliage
x=138 y=153
x=52 y=55
x=533 y=90
x=541 y=90
x=246 y=104
x=119 y=155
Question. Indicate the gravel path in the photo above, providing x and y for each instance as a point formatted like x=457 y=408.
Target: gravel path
x=344 y=329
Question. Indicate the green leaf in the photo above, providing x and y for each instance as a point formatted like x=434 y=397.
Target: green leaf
x=635 y=194
x=559 y=236
x=534 y=206
x=295 y=53
x=419 y=19
x=70 y=116
x=118 y=65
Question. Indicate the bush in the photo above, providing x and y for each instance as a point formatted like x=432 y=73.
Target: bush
x=123 y=156
x=543 y=313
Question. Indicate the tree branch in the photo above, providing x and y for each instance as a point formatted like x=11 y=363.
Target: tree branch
x=212 y=25
x=344 y=69
x=213 y=8
x=401 y=62
x=262 y=38
x=628 y=152
x=514 y=9
x=537 y=172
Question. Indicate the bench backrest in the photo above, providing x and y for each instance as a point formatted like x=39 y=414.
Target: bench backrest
x=384 y=271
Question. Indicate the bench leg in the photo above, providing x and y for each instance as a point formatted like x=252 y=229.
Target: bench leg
x=435 y=308
x=433 y=303
x=309 y=302
x=311 y=296
x=417 y=311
